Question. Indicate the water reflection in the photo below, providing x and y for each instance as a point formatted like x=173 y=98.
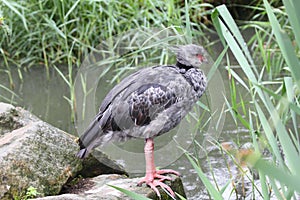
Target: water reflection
x=41 y=96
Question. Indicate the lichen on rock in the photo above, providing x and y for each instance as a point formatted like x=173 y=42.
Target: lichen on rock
x=33 y=154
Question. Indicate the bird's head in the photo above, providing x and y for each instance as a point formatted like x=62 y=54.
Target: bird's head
x=190 y=55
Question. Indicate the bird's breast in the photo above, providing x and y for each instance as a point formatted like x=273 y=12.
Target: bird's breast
x=197 y=80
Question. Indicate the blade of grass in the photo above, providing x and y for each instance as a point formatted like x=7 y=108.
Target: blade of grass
x=223 y=11
x=71 y=9
x=290 y=98
x=292 y=9
x=216 y=64
x=239 y=55
x=53 y=25
x=276 y=189
x=215 y=194
x=216 y=22
x=294 y=107
x=275 y=172
x=13 y=6
x=10 y=91
x=180 y=197
x=230 y=109
x=262 y=177
x=285 y=44
x=131 y=194
x=269 y=134
x=238 y=78
x=62 y=76
x=188 y=22
x=288 y=147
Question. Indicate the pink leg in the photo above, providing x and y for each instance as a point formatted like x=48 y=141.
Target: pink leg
x=154 y=177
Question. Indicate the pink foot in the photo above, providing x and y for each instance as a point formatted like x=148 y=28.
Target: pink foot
x=156 y=179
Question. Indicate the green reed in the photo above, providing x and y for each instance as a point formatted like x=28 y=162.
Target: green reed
x=274 y=87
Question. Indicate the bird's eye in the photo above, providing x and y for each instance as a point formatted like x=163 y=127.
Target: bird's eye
x=200 y=57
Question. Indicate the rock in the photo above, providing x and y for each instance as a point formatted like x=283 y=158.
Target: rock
x=98 y=163
x=33 y=154
x=98 y=188
x=12 y=118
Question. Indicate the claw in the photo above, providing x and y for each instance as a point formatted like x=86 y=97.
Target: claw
x=167 y=171
x=156 y=179
x=156 y=183
x=153 y=187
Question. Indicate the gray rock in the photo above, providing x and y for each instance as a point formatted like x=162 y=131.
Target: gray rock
x=33 y=153
x=98 y=188
x=12 y=118
x=36 y=154
x=99 y=163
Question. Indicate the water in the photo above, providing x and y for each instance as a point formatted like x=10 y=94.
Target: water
x=42 y=97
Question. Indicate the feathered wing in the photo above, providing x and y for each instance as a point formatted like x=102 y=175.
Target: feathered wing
x=121 y=116
x=96 y=133
x=88 y=137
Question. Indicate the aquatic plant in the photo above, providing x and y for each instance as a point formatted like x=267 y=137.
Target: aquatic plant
x=271 y=115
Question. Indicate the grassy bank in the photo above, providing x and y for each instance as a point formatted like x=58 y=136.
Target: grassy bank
x=52 y=32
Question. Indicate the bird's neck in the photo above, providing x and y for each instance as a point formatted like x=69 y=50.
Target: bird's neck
x=183 y=66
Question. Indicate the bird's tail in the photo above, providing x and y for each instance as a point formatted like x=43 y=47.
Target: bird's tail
x=89 y=139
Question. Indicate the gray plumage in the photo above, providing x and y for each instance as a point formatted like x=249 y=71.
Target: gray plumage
x=149 y=102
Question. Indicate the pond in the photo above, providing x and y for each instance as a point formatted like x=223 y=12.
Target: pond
x=45 y=98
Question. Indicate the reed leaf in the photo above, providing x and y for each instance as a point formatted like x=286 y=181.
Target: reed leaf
x=292 y=9
x=215 y=194
x=284 y=42
x=130 y=194
x=274 y=172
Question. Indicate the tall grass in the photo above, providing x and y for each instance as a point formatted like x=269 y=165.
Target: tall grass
x=272 y=114
x=55 y=33
x=274 y=108
x=44 y=31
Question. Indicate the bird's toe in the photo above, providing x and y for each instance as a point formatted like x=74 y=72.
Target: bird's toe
x=167 y=171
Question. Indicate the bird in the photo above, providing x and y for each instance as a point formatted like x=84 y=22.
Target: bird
x=149 y=103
